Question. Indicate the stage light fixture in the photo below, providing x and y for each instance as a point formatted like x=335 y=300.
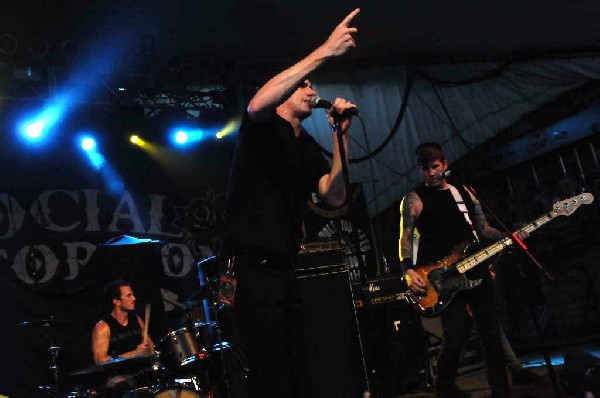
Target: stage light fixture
x=181 y=137
x=34 y=130
x=88 y=144
x=40 y=125
x=185 y=137
x=137 y=140
x=230 y=127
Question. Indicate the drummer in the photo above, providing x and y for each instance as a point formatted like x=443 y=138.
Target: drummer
x=119 y=333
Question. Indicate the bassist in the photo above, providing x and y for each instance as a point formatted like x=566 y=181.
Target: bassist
x=444 y=220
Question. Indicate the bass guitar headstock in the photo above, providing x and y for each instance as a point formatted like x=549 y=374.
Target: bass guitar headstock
x=566 y=207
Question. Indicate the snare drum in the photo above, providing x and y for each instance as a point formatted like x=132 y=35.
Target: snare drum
x=174 y=391
x=180 y=348
x=179 y=392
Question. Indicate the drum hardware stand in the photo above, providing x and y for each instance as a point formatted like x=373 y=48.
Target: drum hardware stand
x=30 y=264
x=212 y=304
x=221 y=350
x=53 y=350
x=221 y=297
x=218 y=294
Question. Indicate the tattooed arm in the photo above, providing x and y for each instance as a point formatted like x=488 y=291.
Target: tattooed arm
x=410 y=210
x=485 y=231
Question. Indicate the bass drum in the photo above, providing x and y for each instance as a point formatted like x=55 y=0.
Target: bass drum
x=176 y=392
x=171 y=390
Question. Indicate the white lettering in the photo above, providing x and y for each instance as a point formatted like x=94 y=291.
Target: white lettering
x=91 y=209
x=35 y=264
x=41 y=212
x=78 y=254
x=130 y=214
x=177 y=259
x=374 y=288
x=13 y=213
x=156 y=216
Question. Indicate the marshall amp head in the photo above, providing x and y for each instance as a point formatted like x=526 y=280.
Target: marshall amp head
x=320 y=257
x=380 y=290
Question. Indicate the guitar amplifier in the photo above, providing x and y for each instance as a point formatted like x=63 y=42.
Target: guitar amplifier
x=380 y=290
x=333 y=345
x=320 y=257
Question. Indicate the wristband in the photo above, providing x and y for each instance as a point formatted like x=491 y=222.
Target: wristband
x=406 y=264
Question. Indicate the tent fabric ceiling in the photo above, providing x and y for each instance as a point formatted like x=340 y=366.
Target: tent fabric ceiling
x=460 y=116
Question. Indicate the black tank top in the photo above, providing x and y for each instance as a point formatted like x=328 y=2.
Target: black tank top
x=441 y=225
x=123 y=338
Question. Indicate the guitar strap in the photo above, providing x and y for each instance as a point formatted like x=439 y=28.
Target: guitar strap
x=463 y=208
x=415 y=245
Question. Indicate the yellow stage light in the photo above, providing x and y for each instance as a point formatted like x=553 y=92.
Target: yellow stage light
x=230 y=127
x=135 y=139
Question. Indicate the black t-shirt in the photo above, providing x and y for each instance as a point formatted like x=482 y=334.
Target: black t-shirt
x=271 y=178
x=123 y=338
x=441 y=225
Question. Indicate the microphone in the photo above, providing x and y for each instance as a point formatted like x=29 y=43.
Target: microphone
x=318 y=102
x=444 y=174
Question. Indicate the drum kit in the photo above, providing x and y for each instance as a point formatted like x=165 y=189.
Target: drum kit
x=192 y=361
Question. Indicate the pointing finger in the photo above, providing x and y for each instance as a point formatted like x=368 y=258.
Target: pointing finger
x=349 y=17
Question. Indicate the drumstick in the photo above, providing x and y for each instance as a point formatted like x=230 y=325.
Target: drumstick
x=146 y=322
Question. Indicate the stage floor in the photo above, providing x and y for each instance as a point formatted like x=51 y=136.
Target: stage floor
x=474 y=381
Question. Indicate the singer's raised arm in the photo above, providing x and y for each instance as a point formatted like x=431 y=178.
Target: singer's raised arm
x=276 y=168
x=281 y=86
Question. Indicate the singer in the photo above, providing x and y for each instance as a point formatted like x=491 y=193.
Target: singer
x=276 y=166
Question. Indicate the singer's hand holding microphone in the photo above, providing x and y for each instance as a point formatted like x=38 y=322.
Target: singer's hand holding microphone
x=340 y=109
x=346 y=107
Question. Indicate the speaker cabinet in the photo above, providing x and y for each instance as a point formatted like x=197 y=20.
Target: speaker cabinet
x=396 y=349
x=334 y=347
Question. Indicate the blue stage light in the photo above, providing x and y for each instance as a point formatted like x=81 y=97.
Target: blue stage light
x=181 y=137
x=90 y=147
x=88 y=144
x=34 y=130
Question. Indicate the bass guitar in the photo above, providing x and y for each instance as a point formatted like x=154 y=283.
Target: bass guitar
x=446 y=277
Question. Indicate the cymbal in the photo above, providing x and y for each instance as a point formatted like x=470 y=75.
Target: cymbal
x=200 y=325
x=116 y=365
x=126 y=240
x=198 y=297
x=220 y=346
x=46 y=322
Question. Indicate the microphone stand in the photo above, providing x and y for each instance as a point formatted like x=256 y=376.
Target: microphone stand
x=337 y=128
x=536 y=323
